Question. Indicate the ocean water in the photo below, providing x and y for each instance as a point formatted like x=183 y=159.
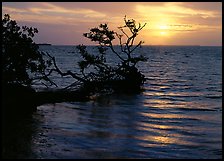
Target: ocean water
x=178 y=115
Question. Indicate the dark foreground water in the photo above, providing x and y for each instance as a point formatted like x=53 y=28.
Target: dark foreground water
x=179 y=115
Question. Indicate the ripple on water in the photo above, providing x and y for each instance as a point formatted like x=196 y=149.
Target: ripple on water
x=177 y=116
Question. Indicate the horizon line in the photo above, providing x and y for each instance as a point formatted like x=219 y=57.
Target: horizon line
x=118 y=45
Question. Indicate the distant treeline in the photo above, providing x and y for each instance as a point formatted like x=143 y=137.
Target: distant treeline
x=44 y=44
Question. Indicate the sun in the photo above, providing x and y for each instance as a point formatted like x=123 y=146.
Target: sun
x=163 y=27
x=163 y=30
x=163 y=33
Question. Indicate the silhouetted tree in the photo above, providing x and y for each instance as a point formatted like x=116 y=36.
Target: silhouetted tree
x=96 y=73
x=123 y=76
x=21 y=61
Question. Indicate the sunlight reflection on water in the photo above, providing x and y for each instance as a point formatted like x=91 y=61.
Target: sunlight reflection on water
x=177 y=116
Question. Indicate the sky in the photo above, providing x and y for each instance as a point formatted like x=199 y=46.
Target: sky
x=168 y=23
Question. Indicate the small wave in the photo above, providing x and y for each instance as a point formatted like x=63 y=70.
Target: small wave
x=195 y=109
x=213 y=97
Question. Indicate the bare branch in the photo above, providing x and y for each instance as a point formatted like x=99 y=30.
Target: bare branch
x=136 y=46
x=62 y=73
x=112 y=48
x=124 y=32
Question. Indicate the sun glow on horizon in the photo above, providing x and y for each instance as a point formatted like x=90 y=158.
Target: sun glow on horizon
x=163 y=33
x=163 y=30
x=163 y=27
x=168 y=23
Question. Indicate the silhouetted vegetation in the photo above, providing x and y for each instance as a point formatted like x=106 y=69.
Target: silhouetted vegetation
x=123 y=76
x=23 y=64
x=21 y=61
x=96 y=73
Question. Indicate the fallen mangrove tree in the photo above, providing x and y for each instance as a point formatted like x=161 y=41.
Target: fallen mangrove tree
x=23 y=65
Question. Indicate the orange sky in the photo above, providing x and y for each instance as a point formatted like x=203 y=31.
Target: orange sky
x=168 y=23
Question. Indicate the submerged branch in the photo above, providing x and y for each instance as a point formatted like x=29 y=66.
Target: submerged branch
x=74 y=75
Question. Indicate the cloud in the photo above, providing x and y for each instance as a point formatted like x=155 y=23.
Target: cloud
x=48 y=8
x=175 y=10
x=206 y=6
x=108 y=8
x=52 y=14
x=13 y=10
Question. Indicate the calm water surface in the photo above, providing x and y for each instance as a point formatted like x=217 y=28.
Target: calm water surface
x=179 y=115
